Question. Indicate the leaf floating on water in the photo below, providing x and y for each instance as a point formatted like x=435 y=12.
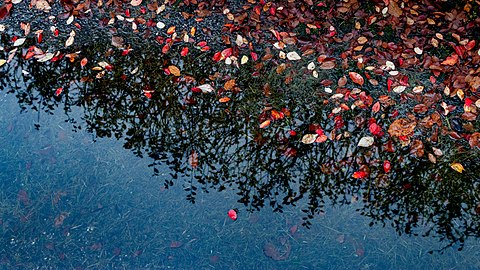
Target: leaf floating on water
x=176 y=244
x=366 y=141
x=457 y=167
x=232 y=214
x=360 y=175
x=309 y=138
x=204 y=88
x=279 y=252
x=2 y=62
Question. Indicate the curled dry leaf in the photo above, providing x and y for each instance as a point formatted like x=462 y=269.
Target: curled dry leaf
x=366 y=141
x=356 y=78
x=309 y=138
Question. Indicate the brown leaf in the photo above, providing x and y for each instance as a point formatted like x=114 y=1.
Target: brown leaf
x=474 y=140
x=229 y=84
x=327 y=65
x=417 y=148
x=394 y=9
x=356 y=78
x=402 y=127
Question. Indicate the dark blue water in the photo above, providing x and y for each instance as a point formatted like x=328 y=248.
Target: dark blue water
x=67 y=202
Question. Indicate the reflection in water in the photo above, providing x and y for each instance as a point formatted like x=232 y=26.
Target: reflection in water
x=227 y=144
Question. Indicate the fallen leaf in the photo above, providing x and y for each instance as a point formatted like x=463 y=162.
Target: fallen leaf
x=402 y=127
x=457 y=167
x=229 y=85
x=356 y=78
x=135 y=2
x=309 y=138
x=224 y=99
x=366 y=141
x=451 y=60
x=265 y=124
x=293 y=56
x=174 y=70
x=19 y=42
x=232 y=214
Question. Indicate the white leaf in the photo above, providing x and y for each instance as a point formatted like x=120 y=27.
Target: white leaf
x=390 y=65
x=135 y=2
x=417 y=50
x=366 y=141
x=309 y=138
x=2 y=27
x=293 y=56
x=281 y=54
x=160 y=25
x=399 y=89
x=311 y=66
x=70 y=20
x=315 y=74
x=244 y=60
x=46 y=57
x=69 y=41
x=16 y=1
x=19 y=42
x=206 y=88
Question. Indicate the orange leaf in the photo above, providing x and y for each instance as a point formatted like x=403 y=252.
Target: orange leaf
x=174 y=70
x=229 y=84
x=83 y=62
x=359 y=175
x=356 y=78
x=265 y=124
x=224 y=99
x=451 y=60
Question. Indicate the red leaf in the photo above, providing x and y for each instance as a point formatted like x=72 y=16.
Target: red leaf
x=376 y=107
x=386 y=166
x=217 y=56
x=232 y=214
x=254 y=56
x=356 y=78
x=58 y=91
x=166 y=48
x=389 y=85
x=359 y=175
x=184 y=51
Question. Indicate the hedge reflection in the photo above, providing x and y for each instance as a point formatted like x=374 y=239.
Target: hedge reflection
x=219 y=145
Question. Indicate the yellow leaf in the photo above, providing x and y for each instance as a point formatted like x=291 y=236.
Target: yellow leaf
x=457 y=167
x=174 y=70
x=2 y=62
